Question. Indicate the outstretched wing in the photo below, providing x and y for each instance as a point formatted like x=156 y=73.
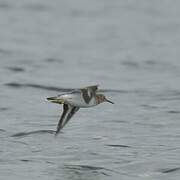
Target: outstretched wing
x=93 y=88
x=88 y=92
x=68 y=112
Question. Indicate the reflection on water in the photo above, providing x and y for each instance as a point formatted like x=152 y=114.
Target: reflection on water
x=22 y=134
x=129 y=49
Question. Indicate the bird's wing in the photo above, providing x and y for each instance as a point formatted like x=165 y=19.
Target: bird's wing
x=93 y=88
x=88 y=92
x=68 y=112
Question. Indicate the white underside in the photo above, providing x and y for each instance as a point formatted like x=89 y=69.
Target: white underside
x=77 y=100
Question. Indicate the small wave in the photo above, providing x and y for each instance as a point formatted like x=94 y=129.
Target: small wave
x=170 y=170
x=16 y=69
x=88 y=167
x=118 y=145
x=36 y=7
x=4 y=108
x=50 y=88
x=25 y=160
x=22 y=134
x=148 y=64
x=130 y=63
x=4 y=51
x=4 y=5
x=52 y=60
x=173 y=112
x=2 y=130
x=58 y=89
x=147 y=106
x=94 y=169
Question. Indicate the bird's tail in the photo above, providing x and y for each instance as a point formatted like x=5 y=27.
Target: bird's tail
x=55 y=100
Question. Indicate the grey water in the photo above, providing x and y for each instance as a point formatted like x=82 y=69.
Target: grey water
x=130 y=48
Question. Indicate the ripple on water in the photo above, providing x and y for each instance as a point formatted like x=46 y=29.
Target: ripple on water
x=52 y=60
x=2 y=130
x=87 y=168
x=4 y=51
x=4 y=108
x=4 y=5
x=173 y=112
x=37 y=86
x=59 y=89
x=36 y=7
x=26 y=160
x=16 y=69
x=118 y=145
x=149 y=64
x=170 y=170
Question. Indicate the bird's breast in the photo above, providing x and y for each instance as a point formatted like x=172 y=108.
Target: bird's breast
x=78 y=101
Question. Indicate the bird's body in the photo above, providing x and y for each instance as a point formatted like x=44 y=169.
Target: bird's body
x=73 y=101
x=75 y=98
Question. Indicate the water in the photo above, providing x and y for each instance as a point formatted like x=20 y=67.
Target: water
x=129 y=48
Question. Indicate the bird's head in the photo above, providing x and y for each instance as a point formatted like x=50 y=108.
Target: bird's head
x=102 y=98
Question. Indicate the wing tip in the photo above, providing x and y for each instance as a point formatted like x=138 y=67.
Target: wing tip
x=95 y=87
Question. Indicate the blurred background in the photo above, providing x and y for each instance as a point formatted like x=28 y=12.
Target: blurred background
x=130 y=48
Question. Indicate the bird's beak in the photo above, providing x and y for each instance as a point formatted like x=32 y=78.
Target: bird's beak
x=109 y=101
x=55 y=100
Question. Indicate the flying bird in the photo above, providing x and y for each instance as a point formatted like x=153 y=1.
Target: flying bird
x=73 y=101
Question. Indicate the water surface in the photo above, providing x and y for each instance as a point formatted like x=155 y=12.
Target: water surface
x=129 y=48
